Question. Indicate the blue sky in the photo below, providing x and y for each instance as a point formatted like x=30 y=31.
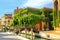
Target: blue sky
x=8 y=6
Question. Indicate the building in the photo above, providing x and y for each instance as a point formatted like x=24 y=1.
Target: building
x=56 y=4
x=56 y=13
x=17 y=10
x=56 y=9
x=39 y=26
x=0 y=21
x=6 y=19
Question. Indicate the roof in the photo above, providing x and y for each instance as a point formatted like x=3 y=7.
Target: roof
x=48 y=9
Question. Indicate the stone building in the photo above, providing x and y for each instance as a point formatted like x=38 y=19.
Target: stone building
x=56 y=10
x=0 y=21
x=58 y=4
x=17 y=10
x=6 y=19
x=39 y=26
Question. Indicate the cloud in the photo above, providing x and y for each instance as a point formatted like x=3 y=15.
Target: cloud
x=37 y=3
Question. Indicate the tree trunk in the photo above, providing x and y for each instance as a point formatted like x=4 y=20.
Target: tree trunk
x=54 y=28
x=25 y=32
x=47 y=26
x=19 y=32
x=31 y=34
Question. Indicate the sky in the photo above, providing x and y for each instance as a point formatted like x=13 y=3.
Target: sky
x=8 y=6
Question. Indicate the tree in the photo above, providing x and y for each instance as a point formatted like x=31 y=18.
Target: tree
x=27 y=18
x=30 y=21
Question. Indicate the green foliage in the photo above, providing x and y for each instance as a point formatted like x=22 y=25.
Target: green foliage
x=59 y=16
x=30 y=19
x=55 y=20
x=11 y=24
x=28 y=16
x=43 y=11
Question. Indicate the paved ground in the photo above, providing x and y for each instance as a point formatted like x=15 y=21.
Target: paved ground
x=7 y=36
x=52 y=34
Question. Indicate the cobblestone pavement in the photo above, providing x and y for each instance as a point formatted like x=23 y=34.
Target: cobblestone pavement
x=7 y=36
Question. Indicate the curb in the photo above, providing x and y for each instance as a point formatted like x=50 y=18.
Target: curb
x=18 y=37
